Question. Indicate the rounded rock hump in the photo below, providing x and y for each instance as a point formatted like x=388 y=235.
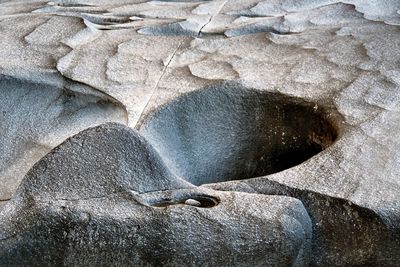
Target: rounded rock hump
x=36 y=115
x=97 y=162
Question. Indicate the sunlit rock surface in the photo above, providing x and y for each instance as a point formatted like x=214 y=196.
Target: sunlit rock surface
x=202 y=133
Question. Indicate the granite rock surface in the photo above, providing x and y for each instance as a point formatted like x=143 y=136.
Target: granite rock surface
x=201 y=133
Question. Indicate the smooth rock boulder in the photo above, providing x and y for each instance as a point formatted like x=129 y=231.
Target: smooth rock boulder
x=107 y=159
x=104 y=197
x=37 y=116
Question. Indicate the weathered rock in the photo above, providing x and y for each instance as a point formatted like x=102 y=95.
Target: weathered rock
x=85 y=203
x=100 y=161
x=343 y=233
x=35 y=117
x=198 y=79
x=229 y=132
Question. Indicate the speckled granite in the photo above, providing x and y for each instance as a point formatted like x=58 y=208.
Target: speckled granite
x=280 y=117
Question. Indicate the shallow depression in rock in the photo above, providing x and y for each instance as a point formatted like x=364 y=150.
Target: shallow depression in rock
x=196 y=201
x=228 y=132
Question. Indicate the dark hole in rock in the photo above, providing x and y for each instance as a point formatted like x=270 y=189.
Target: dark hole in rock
x=197 y=201
x=227 y=132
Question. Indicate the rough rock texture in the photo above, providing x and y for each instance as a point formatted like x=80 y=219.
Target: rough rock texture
x=279 y=117
x=92 y=209
x=35 y=117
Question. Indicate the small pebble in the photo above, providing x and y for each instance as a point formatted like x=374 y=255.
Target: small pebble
x=192 y=202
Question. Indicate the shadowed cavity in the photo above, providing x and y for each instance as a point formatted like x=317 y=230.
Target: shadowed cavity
x=228 y=132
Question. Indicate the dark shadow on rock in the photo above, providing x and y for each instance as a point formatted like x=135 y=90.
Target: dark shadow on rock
x=94 y=201
x=35 y=117
x=344 y=234
x=228 y=132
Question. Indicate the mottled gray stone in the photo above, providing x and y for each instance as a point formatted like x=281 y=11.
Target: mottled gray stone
x=229 y=132
x=91 y=208
x=35 y=117
x=214 y=90
x=98 y=162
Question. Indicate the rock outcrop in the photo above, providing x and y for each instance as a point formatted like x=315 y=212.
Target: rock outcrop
x=199 y=133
